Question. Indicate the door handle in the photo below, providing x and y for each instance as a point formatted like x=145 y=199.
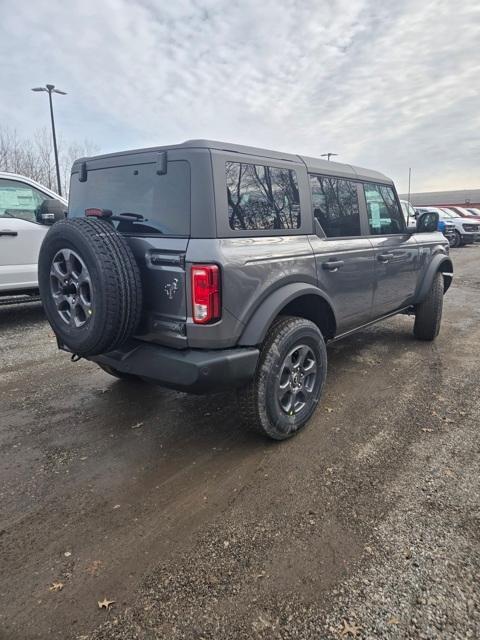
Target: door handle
x=333 y=265
x=385 y=257
x=8 y=233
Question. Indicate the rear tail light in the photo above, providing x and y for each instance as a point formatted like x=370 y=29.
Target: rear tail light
x=206 y=293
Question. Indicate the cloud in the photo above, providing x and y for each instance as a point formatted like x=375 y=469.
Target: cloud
x=385 y=84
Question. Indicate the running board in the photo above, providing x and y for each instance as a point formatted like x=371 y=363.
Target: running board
x=18 y=299
x=406 y=310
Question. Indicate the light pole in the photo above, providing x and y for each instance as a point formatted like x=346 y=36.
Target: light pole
x=50 y=88
x=328 y=155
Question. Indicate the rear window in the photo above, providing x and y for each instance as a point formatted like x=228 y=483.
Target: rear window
x=162 y=201
x=262 y=198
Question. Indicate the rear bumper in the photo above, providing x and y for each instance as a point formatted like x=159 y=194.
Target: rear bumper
x=192 y=370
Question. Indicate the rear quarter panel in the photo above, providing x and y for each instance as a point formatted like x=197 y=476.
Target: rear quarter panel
x=252 y=269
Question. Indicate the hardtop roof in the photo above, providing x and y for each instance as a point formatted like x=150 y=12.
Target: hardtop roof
x=313 y=165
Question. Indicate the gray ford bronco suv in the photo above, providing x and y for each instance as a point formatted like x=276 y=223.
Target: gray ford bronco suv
x=207 y=265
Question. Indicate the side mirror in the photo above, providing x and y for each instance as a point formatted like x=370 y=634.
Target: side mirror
x=50 y=211
x=427 y=222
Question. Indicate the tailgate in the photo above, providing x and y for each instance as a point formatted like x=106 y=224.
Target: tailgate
x=162 y=268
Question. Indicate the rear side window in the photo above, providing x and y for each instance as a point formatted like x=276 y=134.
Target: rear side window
x=335 y=205
x=384 y=214
x=160 y=202
x=262 y=198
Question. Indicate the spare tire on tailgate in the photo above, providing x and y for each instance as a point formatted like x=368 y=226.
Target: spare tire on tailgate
x=90 y=285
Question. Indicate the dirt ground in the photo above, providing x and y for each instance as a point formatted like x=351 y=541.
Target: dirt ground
x=367 y=524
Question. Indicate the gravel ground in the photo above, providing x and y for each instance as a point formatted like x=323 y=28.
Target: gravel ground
x=365 y=525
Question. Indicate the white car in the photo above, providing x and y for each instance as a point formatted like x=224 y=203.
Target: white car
x=27 y=209
x=409 y=214
x=466 y=231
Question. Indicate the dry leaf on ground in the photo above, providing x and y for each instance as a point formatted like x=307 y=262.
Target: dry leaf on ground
x=105 y=604
x=350 y=629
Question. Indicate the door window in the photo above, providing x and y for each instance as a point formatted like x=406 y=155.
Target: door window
x=261 y=198
x=384 y=214
x=19 y=200
x=335 y=205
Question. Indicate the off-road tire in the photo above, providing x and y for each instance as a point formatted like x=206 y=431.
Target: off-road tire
x=428 y=314
x=258 y=402
x=115 y=283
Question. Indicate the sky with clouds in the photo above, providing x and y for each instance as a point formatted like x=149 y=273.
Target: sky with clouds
x=385 y=84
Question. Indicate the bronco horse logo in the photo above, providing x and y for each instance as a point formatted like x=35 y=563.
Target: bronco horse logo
x=171 y=288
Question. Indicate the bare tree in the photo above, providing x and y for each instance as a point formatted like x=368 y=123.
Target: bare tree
x=33 y=157
x=72 y=152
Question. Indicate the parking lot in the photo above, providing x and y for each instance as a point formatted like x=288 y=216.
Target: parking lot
x=366 y=524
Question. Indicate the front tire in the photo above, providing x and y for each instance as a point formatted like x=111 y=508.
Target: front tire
x=428 y=314
x=456 y=240
x=288 y=381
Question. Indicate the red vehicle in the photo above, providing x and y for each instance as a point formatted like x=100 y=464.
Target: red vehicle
x=465 y=213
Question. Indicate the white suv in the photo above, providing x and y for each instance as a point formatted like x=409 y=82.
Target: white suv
x=27 y=209
x=466 y=231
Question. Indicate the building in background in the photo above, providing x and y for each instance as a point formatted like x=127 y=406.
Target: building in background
x=459 y=198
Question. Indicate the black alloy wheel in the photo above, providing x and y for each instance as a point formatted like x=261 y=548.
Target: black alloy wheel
x=71 y=288
x=289 y=379
x=296 y=380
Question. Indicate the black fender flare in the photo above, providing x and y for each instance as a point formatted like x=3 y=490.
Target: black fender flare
x=257 y=326
x=441 y=263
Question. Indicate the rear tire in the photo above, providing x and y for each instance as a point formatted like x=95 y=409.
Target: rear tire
x=288 y=381
x=428 y=314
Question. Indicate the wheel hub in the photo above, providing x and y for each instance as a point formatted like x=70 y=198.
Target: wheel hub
x=71 y=288
x=297 y=379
